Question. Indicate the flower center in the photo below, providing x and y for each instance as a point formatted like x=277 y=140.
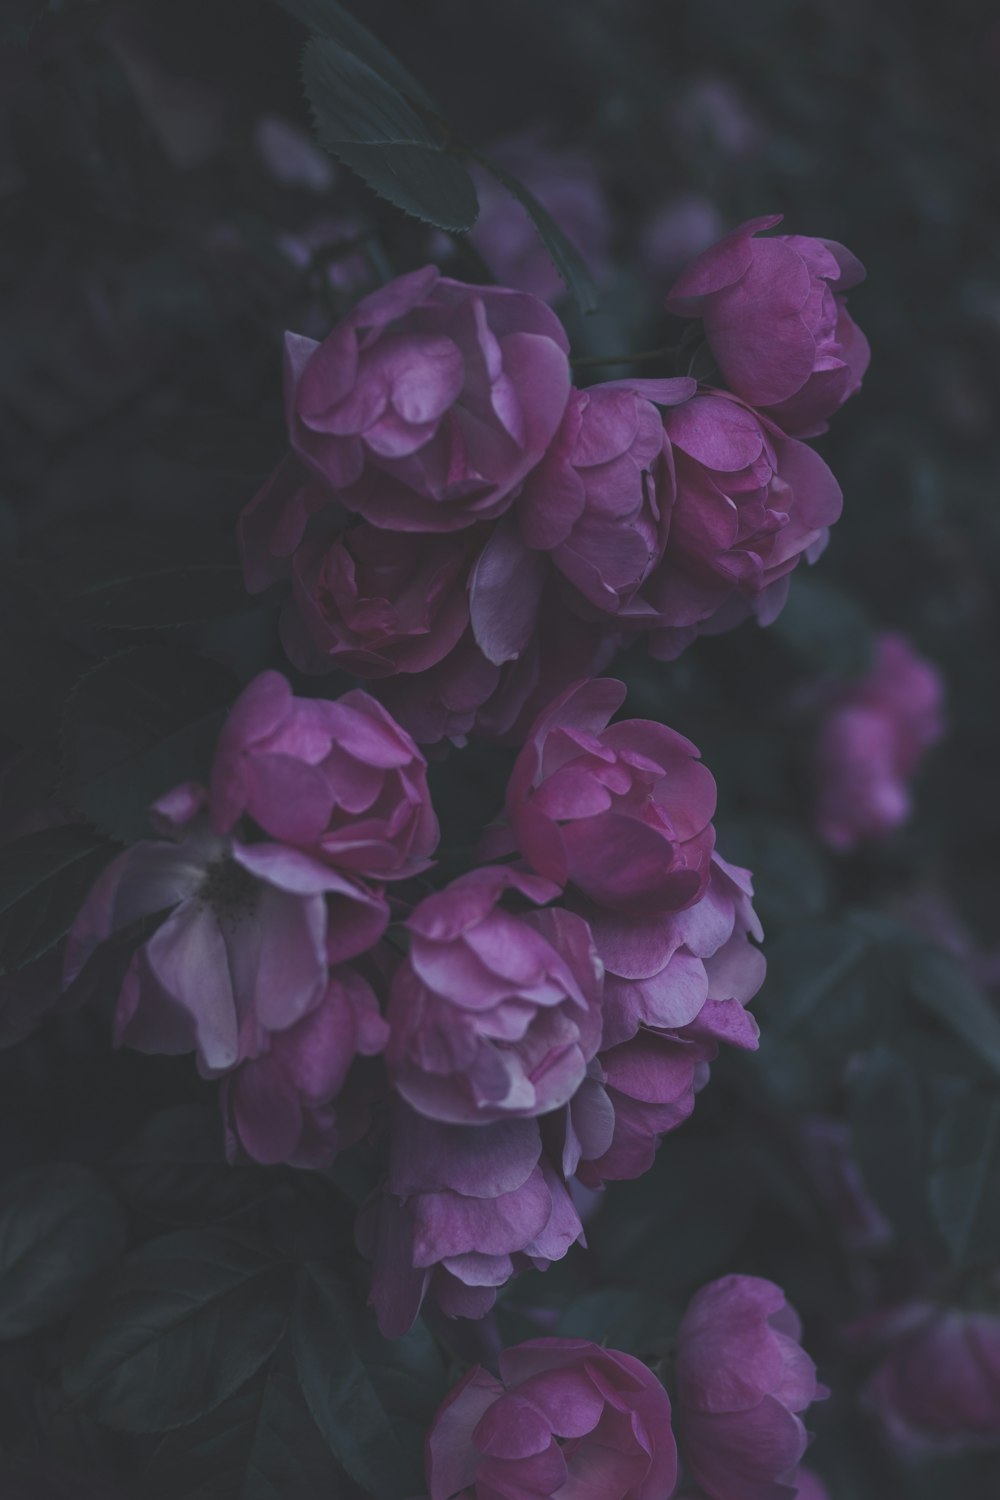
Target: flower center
x=229 y=890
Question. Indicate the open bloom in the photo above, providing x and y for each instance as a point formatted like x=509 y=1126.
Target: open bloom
x=750 y=504
x=871 y=742
x=742 y=1382
x=285 y=1105
x=776 y=321
x=339 y=779
x=565 y=1418
x=465 y=1208
x=937 y=1388
x=245 y=947
x=428 y=404
x=622 y=811
x=493 y=1013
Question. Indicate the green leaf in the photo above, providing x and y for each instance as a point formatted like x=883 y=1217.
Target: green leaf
x=965 y=1179
x=375 y=131
x=371 y=1399
x=162 y=598
x=942 y=986
x=328 y=19
x=891 y=1123
x=621 y=1318
x=790 y=878
x=261 y=1444
x=136 y=726
x=187 y=1320
x=175 y=1170
x=45 y=878
x=564 y=255
x=59 y=1227
x=827 y=630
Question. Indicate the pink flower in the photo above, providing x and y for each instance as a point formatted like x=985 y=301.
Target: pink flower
x=341 y=780
x=742 y=1380
x=871 y=743
x=938 y=1386
x=777 y=323
x=750 y=504
x=245 y=948
x=466 y=693
x=676 y=987
x=565 y=1418
x=493 y=1014
x=426 y=407
x=599 y=502
x=285 y=1104
x=566 y=184
x=623 y=812
x=465 y=1208
x=377 y=602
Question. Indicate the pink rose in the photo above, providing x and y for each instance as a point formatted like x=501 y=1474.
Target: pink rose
x=621 y=811
x=465 y=1208
x=493 y=1014
x=599 y=502
x=937 y=1388
x=742 y=1381
x=339 y=779
x=284 y=1105
x=871 y=742
x=565 y=1418
x=377 y=602
x=427 y=406
x=750 y=504
x=777 y=323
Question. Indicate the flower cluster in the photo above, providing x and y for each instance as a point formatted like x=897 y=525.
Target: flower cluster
x=548 y=1015
x=453 y=509
x=566 y=1416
